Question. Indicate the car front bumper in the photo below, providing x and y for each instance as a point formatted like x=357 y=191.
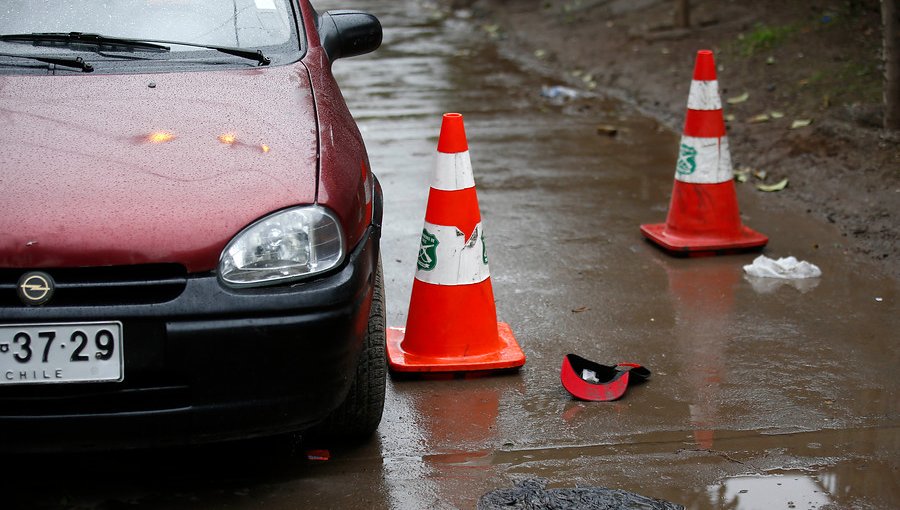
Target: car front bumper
x=211 y=364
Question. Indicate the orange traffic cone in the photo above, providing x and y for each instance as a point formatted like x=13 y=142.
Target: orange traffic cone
x=452 y=323
x=703 y=214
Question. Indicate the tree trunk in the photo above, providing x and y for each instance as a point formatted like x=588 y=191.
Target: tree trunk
x=683 y=13
x=890 y=15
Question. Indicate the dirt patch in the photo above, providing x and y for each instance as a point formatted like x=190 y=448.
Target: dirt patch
x=780 y=63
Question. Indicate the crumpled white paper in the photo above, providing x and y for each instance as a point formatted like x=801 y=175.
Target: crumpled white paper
x=589 y=376
x=787 y=268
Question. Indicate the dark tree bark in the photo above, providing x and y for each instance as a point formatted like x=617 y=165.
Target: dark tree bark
x=890 y=15
x=683 y=13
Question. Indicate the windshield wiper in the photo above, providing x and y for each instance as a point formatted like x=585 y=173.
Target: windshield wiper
x=103 y=42
x=75 y=39
x=77 y=63
x=256 y=55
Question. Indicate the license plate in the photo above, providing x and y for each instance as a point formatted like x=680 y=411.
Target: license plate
x=60 y=353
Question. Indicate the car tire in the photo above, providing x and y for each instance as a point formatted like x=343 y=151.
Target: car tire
x=359 y=414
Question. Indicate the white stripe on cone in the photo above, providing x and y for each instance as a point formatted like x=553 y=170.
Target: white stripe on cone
x=445 y=258
x=453 y=172
x=703 y=160
x=704 y=95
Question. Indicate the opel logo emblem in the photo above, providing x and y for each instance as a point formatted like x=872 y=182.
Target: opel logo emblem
x=35 y=288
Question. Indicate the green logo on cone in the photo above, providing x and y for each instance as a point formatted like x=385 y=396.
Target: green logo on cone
x=428 y=251
x=687 y=163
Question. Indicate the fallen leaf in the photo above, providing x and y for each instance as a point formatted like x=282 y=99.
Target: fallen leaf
x=770 y=60
x=608 y=130
x=739 y=99
x=778 y=186
x=540 y=53
x=729 y=117
x=776 y=115
x=742 y=174
x=756 y=119
x=799 y=123
x=580 y=309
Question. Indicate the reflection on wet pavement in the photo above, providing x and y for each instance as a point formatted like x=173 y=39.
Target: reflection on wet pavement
x=773 y=491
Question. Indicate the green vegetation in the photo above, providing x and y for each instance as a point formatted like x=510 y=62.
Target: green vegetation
x=763 y=37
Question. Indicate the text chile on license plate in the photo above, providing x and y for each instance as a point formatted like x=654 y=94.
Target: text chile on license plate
x=65 y=352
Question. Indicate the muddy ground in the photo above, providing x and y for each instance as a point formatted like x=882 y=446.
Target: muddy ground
x=795 y=61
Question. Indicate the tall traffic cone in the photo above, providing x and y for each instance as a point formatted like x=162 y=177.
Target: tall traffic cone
x=703 y=214
x=452 y=323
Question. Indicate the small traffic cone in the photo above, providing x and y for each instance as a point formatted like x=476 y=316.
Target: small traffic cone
x=703 y=214
x=452 y=323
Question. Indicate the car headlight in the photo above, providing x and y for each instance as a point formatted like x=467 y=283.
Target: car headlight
x=284 y=246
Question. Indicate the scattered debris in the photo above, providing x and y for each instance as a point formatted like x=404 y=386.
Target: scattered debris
x=770 y=60
x=785 y=267
x=729 y=117
x=770 y=285
x=319 y=455
x=492 y=30
x=778 y=186
x=580 y=309
x=762 y=117
x=608 y=130
x=540 y=53
x=589 y=376
x=776 y=114
x=800 y=123
x=738 y=99
x=743 y=173
x=559 y=93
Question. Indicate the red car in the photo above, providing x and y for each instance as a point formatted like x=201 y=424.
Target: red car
x=189 y=225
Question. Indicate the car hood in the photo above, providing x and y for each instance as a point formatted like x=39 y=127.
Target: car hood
x=131 y=169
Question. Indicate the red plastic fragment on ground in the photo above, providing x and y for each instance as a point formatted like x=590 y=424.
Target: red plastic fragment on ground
x=318 y=454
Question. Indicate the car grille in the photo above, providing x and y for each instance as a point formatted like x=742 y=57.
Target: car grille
x=97 y=286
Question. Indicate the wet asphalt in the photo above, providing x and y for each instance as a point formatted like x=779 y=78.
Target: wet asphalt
x=762 y=395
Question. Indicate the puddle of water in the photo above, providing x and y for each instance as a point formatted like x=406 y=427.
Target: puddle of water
x=789 y=490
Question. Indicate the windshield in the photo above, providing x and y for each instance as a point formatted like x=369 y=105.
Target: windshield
x=234 y=23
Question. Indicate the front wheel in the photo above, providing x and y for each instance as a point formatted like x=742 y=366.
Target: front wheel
x=359 y=414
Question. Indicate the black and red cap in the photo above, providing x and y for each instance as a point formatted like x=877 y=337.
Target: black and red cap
x=588 y=380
